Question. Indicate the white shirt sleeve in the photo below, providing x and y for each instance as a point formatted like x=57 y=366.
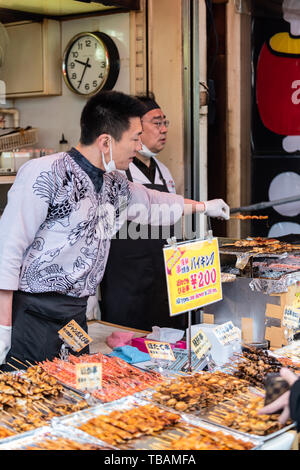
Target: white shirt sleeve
x=148 y=206
x=19 y=223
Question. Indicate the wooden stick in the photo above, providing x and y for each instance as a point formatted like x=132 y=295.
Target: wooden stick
x=17 y=360
x=29 y=363
x=12 y=366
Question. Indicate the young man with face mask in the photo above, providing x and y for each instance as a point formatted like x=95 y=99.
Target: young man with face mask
x=135 y=268
x=55 y=232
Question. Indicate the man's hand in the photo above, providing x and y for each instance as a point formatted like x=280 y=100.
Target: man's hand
x=217 y=208
x=282 y=403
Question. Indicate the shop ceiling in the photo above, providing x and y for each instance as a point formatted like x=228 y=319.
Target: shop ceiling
x=34 y=9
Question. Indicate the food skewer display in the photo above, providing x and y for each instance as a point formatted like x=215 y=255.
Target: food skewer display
x=242 y=415
x=192 y=394
x=31 y=399
x=249 y=217
x=61 y=443
x=263 y=245
x=148 y=426
x=200 y=439
x=253 y=365
x=119 y=379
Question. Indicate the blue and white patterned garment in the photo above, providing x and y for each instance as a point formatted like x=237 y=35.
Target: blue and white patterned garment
x=56 y=228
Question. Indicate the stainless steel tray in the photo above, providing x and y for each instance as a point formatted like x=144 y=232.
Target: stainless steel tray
x=202 y=416
x=158 y=442
x=32 y=438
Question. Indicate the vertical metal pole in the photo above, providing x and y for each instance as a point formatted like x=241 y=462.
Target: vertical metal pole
x=190 y=339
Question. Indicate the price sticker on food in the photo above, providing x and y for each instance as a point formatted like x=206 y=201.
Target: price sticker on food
x=89 y=376
x=74 y=336
x=193 y=275
x=291 y=318
x=160 y=350
x=200 y=344
x=227 y=333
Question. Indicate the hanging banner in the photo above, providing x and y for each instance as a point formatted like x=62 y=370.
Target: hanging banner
x=193 y=275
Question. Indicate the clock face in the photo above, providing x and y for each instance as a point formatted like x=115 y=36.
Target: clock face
x=87 y=64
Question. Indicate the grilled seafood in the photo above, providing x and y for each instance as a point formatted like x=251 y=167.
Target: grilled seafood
x=199 y=391
x=119 y=379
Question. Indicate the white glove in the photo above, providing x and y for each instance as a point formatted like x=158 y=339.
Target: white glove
x=5 y=342
x=217 y=208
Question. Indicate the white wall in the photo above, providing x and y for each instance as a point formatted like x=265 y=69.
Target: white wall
x=61 y=114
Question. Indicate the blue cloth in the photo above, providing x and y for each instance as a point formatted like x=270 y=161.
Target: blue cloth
x=130 y=354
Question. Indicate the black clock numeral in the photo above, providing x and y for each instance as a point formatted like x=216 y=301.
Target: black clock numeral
x=101 y=75
x=74 y=76
x=75 y=54
x=95 y=83
x=72 y=65
x=88 y=43
x=103 y=65
x=87 y=86
x=80 y=46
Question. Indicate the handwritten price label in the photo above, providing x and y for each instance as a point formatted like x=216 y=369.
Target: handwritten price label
x=200 y=344
x=74 y=336
x=89 y=376
x=226 y=333
x=291 y=318
x=160 y=350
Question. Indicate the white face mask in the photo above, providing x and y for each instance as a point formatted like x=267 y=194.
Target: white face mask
x=110 y=166
x=145 y=152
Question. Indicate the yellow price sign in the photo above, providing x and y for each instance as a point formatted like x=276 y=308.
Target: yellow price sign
x=160 y=350
x=74 y=336
x=88 y=376
x=193 y=275
x=296 y=302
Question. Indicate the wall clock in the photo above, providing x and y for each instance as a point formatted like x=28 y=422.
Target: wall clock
x=91 y=63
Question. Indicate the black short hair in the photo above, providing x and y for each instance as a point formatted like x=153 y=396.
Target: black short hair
x=148 y=100
x=108 y=112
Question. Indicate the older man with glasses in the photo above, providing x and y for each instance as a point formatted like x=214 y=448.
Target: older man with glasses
x=135 y=267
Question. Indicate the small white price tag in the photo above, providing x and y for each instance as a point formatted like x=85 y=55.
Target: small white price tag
x=226 y=333
x=200 y=344
x=160 y=350
x=88 y=376
x=291 y=318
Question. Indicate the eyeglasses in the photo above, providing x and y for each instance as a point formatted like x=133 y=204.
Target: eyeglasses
x=159 y=124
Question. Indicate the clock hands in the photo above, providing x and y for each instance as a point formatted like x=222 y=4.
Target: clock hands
x=86 y=65
x=82 y=63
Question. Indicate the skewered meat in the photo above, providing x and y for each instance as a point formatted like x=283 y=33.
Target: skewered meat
x=243 y=416
x=253 y=366
x=199 y=391
x=121 y=426
x=63 y=444
x=200 y=439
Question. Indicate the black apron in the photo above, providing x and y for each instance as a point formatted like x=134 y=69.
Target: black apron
x=36 y=319
x=133 y=288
